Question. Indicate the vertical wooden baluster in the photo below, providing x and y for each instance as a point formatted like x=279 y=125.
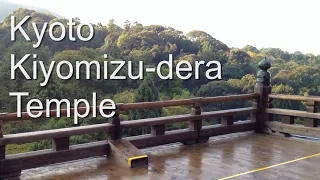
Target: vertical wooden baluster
x=196 y=125
x=269 y=105
x=196 y=110
x=312 y=108
x=287 y=119
x=227 y=120
x=115 y=120
x=255 y=104
x=158 y=129
x=59 y=144
x=263 y=88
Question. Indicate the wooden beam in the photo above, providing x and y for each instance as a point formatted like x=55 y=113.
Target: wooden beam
x=216 y=130
x=296 y=113
x=229 y=98
x=130 y=106
x=294 y=97
x=294 y=129
x=144 y=141
x=21 y=138
x=126 y=153
x=186 y=117
x=14 y=175
x=17 y=162
x=159 y=104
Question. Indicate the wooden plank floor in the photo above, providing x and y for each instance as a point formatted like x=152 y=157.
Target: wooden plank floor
x=220 y=158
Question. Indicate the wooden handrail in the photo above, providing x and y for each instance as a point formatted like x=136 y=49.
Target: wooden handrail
x=54 y=133
x=296 y=113
x=229 y=98
x=159 y=104
x=187 y=117
x=294 y=97
x=140 y=105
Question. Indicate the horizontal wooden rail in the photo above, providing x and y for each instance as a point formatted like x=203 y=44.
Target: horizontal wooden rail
x=131 y=106
x=159 y=104
x=53 y=113
x=229 y=98
x=18 y=162
x=294 y=97
x=296 y=113
x=188 y=117
x=53 y=133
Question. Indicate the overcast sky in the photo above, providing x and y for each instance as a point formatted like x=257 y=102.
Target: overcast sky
x=290 y=25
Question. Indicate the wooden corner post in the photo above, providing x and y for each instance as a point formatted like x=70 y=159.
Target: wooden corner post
x=263 y=88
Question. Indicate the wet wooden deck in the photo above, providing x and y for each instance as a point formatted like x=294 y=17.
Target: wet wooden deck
x=229 y=157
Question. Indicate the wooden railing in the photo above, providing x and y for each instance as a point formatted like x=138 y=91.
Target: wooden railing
x=261 y=121
x=287 y=122
x=62 y=151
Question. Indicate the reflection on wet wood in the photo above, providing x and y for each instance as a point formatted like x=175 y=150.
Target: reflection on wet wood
x=221 y=157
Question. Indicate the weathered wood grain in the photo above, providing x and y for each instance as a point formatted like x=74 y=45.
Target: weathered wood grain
x=294 y=129
x=294 y=97
x=296 y=113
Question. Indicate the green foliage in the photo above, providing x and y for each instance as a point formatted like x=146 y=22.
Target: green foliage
x=147 y=92
x=17 y=148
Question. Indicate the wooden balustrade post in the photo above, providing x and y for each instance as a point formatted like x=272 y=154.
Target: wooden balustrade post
x=312 y=108
x=2 y=147
x=116 y=132
x=227 y=120
x=196 y=125
x=158 y=129
x=196 y=110
x=287 y=119
x=59 y=144
x=263 y=88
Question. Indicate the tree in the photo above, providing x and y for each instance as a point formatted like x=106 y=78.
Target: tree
x=147 y=92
